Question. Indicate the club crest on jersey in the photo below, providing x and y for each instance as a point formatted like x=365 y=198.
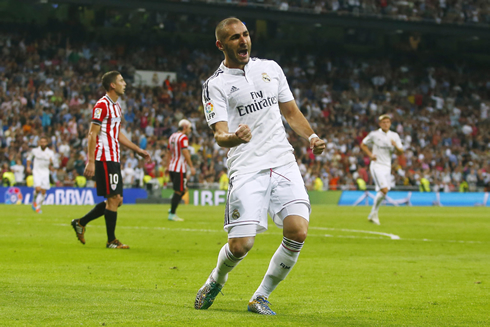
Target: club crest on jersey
x=266 y=78
x=209 y=110
x=113 y=187
x=235 y=214
x=97 y=113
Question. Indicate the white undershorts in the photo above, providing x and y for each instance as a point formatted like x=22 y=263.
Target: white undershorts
x=41 y=180
x=279 y=191
x=381 y=176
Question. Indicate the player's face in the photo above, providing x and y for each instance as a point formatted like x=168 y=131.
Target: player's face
x=385 y=124
x=236 y=46
x=119 y=85
x=43 y=143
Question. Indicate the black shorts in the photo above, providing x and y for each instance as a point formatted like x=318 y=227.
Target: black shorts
x=179 y=181
x=108 y=178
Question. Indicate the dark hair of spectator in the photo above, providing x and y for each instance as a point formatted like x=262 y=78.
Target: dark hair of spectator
x=108 y=78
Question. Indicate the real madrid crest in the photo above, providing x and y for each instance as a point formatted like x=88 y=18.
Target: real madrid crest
x=235 y=214
x=266 y=78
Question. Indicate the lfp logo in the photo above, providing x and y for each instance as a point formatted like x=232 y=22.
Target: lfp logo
x=13 y=195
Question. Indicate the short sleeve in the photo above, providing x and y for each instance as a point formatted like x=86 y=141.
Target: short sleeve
x=30 y=156
x=398 y=142
x=368 y=140
x=214 y=102
x=99 y=113
x=284 y=92
x=184 y=142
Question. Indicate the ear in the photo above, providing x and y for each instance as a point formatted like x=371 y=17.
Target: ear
x=219 y=45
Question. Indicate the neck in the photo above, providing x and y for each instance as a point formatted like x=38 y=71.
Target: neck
x=230 y=65
x=113 y=95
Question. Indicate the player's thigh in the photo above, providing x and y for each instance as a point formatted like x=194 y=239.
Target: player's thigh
x=108 y=178
x=381 y=176
x=41 y=180
x=179 y=181
x=288 y=191
x=248 y=200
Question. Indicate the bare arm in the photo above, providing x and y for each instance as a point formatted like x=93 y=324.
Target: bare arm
x=187 y=156
x=229 y=140
x=127 y=143
x=92 y=142
x=300 y=125
x=398 y=150
x=366 y=150
x=28 y=167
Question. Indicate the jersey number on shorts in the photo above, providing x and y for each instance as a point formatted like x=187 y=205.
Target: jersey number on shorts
x=113 y=179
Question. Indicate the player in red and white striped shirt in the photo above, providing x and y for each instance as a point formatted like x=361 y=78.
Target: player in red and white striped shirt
x=104 y=154
x=177 y=145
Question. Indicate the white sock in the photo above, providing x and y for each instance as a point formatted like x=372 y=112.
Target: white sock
x=380 y=196
x=281 y=264
x=226 y=262
x=35 y=195
x=39 y=200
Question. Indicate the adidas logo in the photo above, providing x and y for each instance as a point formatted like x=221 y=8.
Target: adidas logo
x=233 y=89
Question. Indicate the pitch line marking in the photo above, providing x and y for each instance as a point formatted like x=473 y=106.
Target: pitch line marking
x=391 y=236
x=309 y=235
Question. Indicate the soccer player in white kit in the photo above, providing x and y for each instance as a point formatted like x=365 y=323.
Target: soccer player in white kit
x=243 y=102
x=43 y=157
x=383 y=142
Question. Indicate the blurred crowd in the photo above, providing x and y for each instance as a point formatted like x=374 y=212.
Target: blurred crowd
x=49 y=85
x=438 y=11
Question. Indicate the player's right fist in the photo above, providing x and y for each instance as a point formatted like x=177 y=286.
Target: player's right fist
x=244 y=133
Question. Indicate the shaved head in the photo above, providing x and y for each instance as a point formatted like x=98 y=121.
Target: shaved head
x=220 y=31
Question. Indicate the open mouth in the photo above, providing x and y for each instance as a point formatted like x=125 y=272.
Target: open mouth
x=243 y=53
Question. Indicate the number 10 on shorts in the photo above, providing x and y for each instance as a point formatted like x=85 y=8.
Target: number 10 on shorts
x=113 y=180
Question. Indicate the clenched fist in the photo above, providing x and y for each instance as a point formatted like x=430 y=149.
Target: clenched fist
x=317 y=145
x=244 y=133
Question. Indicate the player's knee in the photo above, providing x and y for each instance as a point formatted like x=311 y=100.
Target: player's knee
x=120 y=201
x=239 y=247
x=297 y=235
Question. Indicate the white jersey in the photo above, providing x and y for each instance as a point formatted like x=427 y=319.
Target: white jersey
x=382 y=147
x=42 y=160
x=251 y=96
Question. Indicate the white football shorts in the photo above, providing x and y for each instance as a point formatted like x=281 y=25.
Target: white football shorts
x=251 y=196
x=41 y=179
x=381 y=175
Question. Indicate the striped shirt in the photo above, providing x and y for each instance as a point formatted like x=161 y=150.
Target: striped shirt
x=176 y=143
x=107 y=114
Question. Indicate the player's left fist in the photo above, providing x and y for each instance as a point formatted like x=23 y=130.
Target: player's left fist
x=317 y=145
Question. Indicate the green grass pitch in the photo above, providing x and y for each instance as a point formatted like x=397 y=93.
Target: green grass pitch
x=349 y=273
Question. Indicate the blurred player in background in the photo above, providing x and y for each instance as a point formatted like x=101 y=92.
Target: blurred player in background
x=243 y=102
x=178 y=144
x=43 y=157
x=103 y=159
x=383 y=143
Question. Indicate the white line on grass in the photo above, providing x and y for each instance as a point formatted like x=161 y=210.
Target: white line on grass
x=391 y=236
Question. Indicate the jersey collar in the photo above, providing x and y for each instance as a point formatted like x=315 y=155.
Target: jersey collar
x=235 y=71
x=109 y=98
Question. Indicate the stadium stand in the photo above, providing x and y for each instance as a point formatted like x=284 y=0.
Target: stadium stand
x=49 y=82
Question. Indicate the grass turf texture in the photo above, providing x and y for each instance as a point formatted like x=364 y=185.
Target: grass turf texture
x=437 y=274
